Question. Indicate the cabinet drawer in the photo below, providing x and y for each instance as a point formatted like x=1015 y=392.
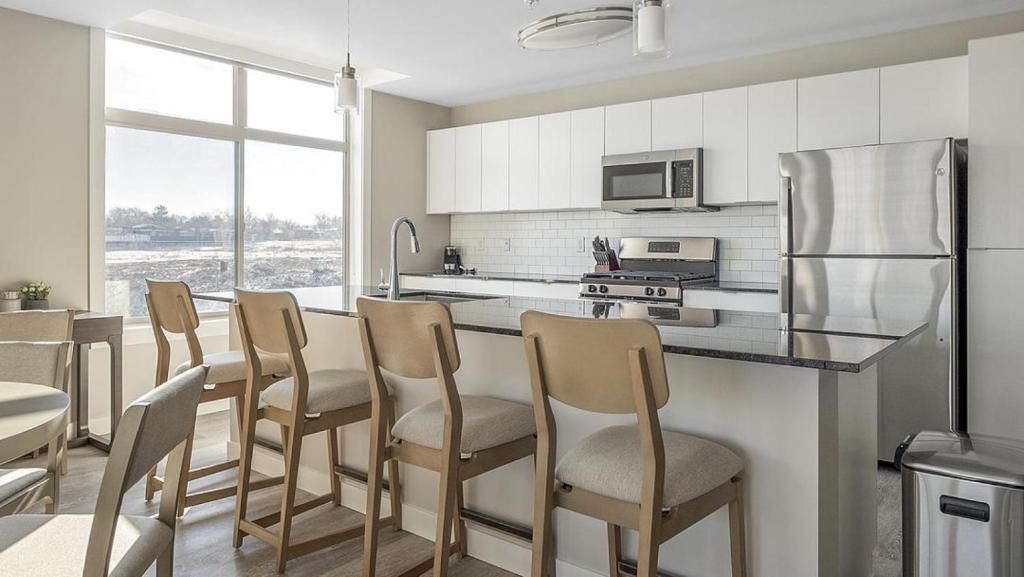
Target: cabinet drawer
x=731 y=300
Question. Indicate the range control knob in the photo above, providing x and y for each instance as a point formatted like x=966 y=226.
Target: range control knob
x=603 y=289
x=591 y=288
x=649 y=291
x=662 y=292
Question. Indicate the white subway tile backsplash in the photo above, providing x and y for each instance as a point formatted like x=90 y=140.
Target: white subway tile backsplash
x=549 y=242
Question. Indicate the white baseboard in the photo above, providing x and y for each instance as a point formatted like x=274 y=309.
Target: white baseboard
x=483 y=544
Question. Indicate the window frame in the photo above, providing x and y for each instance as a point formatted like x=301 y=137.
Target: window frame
x=238 y=133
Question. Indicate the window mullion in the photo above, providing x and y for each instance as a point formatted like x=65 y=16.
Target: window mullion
x=240 y=122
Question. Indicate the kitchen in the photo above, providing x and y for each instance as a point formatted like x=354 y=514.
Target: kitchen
x=792 y=221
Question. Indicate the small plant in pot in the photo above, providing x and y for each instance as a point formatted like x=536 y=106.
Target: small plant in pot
x=35 y=295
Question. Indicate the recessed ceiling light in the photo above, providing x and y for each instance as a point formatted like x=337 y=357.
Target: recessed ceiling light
x=585 y=27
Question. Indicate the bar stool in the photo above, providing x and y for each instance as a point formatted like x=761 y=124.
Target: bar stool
x=458 y=436
x=172 y=311
x=306 y=403
x=635 y=477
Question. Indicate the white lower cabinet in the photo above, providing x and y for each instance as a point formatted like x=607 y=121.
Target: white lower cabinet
x=546 y=290
x=761 y=302
x=427 y=283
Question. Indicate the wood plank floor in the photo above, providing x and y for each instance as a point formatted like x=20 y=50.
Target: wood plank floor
x=204 y=534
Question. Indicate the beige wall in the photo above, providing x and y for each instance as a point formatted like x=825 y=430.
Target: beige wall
x=398 y=181
x=898 y=48
x=44 y=155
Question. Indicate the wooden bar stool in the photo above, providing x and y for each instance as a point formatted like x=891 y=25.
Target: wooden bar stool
x=172 y=311
x=636 y=477
x=458 y=436
x=306 y=403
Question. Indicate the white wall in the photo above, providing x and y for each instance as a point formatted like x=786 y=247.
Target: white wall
x=44 y=155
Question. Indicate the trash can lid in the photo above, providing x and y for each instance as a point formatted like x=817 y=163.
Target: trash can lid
x=982 y=458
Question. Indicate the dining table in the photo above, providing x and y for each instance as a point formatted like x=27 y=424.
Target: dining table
x=30 y=417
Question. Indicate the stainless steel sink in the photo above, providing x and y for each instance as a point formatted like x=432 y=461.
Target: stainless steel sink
x=440 y=297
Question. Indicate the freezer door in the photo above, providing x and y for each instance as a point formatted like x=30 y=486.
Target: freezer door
x=893 y=199
x=914 y=382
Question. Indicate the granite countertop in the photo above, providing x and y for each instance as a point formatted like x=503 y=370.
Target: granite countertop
x=523 y=276
x=815 y=342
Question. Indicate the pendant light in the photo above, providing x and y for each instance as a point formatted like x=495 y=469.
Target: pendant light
x=346 y=86
x=650 y=28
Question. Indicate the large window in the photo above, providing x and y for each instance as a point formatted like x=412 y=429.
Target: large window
x=214 y=188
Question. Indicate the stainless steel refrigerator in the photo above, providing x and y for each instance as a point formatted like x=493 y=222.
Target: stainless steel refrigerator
x=878 y=232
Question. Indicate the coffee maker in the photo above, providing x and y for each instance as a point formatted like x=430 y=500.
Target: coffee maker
x=452 y=260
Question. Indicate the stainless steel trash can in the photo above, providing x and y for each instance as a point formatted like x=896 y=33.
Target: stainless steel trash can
x=963 y=506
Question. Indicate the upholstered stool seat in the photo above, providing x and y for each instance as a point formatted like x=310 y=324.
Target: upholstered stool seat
x=229 y=366
x=486 y=422
x=14 y=481
x=55 y=545
x=610 y=463
x=329 y=390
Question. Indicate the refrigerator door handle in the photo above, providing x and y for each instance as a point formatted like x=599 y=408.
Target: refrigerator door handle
x=785 y=190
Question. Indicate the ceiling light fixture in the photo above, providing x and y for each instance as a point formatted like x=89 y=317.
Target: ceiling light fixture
x=650 y=28
x=346 y=86
x=585 y=27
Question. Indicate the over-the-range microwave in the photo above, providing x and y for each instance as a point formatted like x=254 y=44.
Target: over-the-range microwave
x=660 y=181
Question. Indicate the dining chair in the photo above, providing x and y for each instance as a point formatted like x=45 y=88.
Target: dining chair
x=458 y=436
x=303 y=404
x=49 y=326
x=172 y=311
x=637 y=477
x=108 y=543
x=38 y=364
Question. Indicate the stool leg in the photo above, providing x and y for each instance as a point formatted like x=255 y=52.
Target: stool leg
x=334 y=460
x=460 y=525
x=647 y=552
x=183 y=487
x=445 y=507
x=291 y=477
x=378 y=436
x=150 y=484
x=394 y=481
x=543 y=504
x=246 y=441
x=614 y=549
x=737 y=533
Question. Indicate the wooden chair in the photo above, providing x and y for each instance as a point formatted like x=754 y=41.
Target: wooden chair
x=39 y=364
x=306 y=403
x=458 y=436
x=108 y=543
x=635 y=477
x=172 y=311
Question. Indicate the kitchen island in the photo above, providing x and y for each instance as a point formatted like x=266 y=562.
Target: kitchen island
x=794 y=395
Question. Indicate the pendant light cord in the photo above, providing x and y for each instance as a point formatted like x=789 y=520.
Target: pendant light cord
x=348 y=31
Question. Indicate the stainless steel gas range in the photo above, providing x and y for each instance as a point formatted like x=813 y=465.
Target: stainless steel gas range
x=655 y=269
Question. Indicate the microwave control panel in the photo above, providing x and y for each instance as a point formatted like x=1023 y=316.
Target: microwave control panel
x=682 y=179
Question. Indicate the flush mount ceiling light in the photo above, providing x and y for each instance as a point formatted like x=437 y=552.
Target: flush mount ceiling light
x=346 y=86
x=585 y=27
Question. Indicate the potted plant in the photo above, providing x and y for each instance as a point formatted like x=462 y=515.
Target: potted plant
x=35 y=295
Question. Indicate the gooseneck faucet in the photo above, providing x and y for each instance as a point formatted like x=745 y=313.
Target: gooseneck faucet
x=394 y=291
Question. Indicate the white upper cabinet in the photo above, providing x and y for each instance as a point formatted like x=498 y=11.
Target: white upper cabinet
x=523 y=156
x=494 y=153
x=627 y=128
x=838 y=110
x=586 y=148
x=997 y=142
x=676 y=122
x=441 y=171
x=924 y=100
x=554 y=187
x=771 y=130
x=725 y=146
x=467 y=168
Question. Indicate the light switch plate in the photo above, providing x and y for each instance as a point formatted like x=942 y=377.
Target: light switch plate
x=506 y=244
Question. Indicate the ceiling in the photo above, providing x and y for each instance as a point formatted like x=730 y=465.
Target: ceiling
x=456 y=52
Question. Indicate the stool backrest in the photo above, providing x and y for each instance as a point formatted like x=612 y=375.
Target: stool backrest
x=403 y=338
x=171 y=306
x=156 y=425
x=586 y=362
x=37 y=326
x=264 y=314
x=36 y=363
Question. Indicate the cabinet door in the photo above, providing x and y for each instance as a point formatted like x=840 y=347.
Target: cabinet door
x=467 y=168
x=924 y=100
x=441 y=171
x=523 y=142
x=771 y=130
x=586 y=148
x=725 y=146
x=677 y=122
x=838 y=110
x=553 y=166
x=494 y=187
x=627 y=128
x=996 y=105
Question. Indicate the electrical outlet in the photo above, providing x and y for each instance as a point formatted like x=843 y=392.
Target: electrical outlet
x=506 y=244
x=583 y=244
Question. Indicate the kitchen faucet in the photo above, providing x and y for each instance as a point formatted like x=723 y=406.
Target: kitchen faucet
x=394 y=292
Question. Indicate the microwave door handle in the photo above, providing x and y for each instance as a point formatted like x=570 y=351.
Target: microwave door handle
x=669 y=179
x=785 y=193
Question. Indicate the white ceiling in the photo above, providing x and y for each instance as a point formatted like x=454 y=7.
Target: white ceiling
x=460 y=51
